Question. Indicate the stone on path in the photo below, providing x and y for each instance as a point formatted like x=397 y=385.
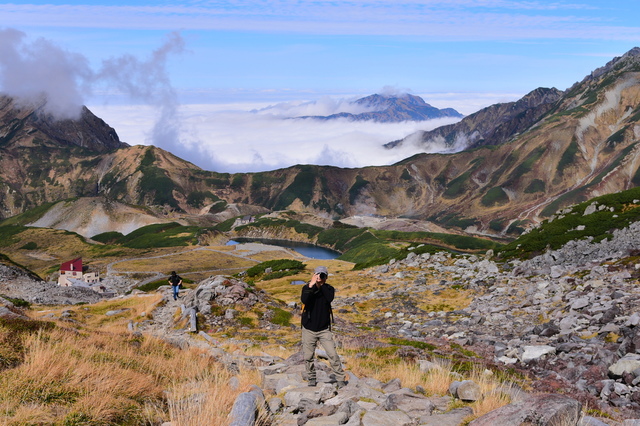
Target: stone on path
x=244 y=410
x=386 y=418
x=338 y=418
x=542 y=409
x=534 y=352
x=468 y=390
x=626 y=364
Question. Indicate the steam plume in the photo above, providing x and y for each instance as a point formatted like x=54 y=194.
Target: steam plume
x=39 y=71
x=31 y=72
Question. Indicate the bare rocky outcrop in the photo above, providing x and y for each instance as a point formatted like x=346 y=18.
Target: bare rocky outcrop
x=21 y=123
x=493 y=125
x=541 y=409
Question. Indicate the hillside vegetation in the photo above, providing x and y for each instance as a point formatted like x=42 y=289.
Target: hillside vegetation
x=523 y=161
x=595 y=219
x=42 y=249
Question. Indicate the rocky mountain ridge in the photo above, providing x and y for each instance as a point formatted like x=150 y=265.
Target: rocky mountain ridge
x=29 y=125
x=493 y=125
x=536 y=156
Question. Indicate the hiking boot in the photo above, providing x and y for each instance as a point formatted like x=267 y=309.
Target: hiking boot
x=312 y=383
x=341 y=384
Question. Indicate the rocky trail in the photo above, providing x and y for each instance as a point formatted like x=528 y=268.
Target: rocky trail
x=567 y=320
x=572 y=329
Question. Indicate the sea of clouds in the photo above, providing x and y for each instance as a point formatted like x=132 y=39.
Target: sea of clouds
x=255 y=137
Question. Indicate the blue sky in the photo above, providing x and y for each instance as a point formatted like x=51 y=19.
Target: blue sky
x=459 y=53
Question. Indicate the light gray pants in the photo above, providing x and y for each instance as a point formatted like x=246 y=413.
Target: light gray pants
x=310 y=340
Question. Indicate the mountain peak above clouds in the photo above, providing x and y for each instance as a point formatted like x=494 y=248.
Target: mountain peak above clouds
x=392 y=109
x=25 y=124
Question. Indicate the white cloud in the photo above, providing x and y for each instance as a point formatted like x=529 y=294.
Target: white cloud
x=40 y=72
x=326 y=105
x=223 y=140
x=33 y=71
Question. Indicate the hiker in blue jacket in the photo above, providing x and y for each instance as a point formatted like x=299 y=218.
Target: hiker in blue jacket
x=317 y=296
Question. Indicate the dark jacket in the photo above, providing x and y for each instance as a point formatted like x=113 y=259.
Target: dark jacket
x=175 y=280
x=316 y=315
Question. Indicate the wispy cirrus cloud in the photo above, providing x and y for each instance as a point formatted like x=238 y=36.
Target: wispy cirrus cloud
x=454 y=20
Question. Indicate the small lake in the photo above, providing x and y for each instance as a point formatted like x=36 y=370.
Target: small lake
x=308 y=250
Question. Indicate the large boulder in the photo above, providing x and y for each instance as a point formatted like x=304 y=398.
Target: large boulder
x=539 y=410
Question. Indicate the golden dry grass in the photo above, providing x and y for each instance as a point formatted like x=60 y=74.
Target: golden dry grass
x=103 y=375
x=495 y=394
x=187 y=261
x=383 y=364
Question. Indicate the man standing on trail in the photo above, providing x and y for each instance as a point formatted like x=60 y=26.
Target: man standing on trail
x=175 y=282
x=317 y=296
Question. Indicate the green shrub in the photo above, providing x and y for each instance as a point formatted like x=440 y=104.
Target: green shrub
x=281 y=317
x=226 y=225
x=196 y=198
x=597 y=225
x=497 y=224
x=568 y=156
x=18 y=303
x=495 y=195
x=246 y=321
x=161 y=235
x=525 y=166
x=279 y=274
x=30 y=215
x=152 y=286
x=301 y=188
x=275 y=265
x=457 y=186
x=237 y=182
x=155 y=181
x=413 y=343
x=454 y=219
x=7 y=234
x=338 y=239
x=29 y=246
x=536 y=185
x=616 y=138
x=112 y=237
x=218 y=206
x=376 y=252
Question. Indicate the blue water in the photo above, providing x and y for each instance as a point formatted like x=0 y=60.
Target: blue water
x=308 y=250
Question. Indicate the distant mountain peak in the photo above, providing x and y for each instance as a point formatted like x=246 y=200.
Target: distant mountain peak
x=392 y=109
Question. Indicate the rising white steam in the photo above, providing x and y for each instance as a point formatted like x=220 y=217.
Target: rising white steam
x=33 y=72
x=39 y=71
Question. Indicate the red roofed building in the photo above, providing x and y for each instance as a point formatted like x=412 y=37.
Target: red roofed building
x=71 y=273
